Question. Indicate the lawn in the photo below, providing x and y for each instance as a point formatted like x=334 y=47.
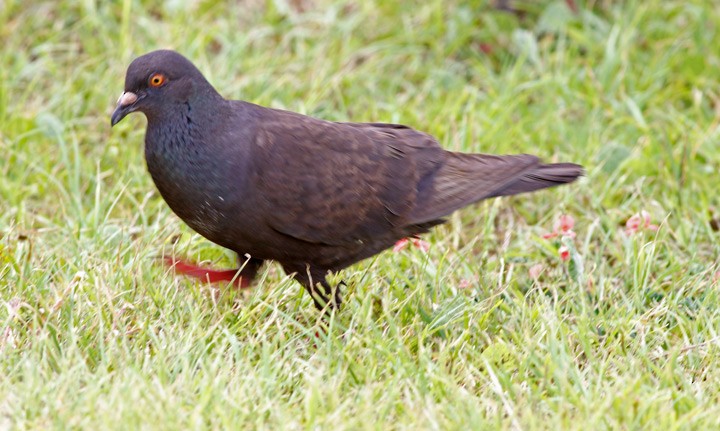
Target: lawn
x=490 y=328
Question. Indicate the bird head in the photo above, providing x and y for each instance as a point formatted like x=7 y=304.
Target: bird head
x=157 y=82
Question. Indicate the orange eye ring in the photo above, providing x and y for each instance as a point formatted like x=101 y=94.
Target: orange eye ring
x=156 y=80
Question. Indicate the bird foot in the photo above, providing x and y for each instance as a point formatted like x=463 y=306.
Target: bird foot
x=332 y=298
x=207 y=275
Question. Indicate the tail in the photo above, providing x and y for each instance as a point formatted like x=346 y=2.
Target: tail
x=541 y=177
x=469 y=178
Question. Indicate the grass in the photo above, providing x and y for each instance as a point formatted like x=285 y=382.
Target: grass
x=95 y=334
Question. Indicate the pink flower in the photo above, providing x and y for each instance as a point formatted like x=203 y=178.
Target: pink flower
x=563 y=227
x=424 y=246
x=535 y=271
x=464 y=283
x=486 y=48
x=564 y=253
x=639 y=221
x=565 y=223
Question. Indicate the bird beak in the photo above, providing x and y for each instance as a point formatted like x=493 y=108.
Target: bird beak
x=125 y=105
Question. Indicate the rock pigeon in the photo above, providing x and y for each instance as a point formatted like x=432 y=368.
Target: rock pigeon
x=314 y=195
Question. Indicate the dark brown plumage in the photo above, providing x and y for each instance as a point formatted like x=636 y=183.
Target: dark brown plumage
x=314 y=195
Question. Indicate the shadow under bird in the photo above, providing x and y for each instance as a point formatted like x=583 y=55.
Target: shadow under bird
x=314 y=195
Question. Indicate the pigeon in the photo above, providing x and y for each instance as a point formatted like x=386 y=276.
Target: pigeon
x=315 y=196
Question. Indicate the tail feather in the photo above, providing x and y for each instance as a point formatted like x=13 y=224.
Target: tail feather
x=541 y=177
x=468 y=178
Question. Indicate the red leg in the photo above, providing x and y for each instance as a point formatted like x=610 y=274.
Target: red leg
x=210 y=275
x=414 y=240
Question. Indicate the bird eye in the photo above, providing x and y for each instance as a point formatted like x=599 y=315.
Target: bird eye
x=156 y=79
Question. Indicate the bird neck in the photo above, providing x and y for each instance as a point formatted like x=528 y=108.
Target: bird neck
x=182 y=162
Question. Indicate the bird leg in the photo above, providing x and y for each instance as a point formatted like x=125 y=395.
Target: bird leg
x=317 y=286
x=241 y=277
